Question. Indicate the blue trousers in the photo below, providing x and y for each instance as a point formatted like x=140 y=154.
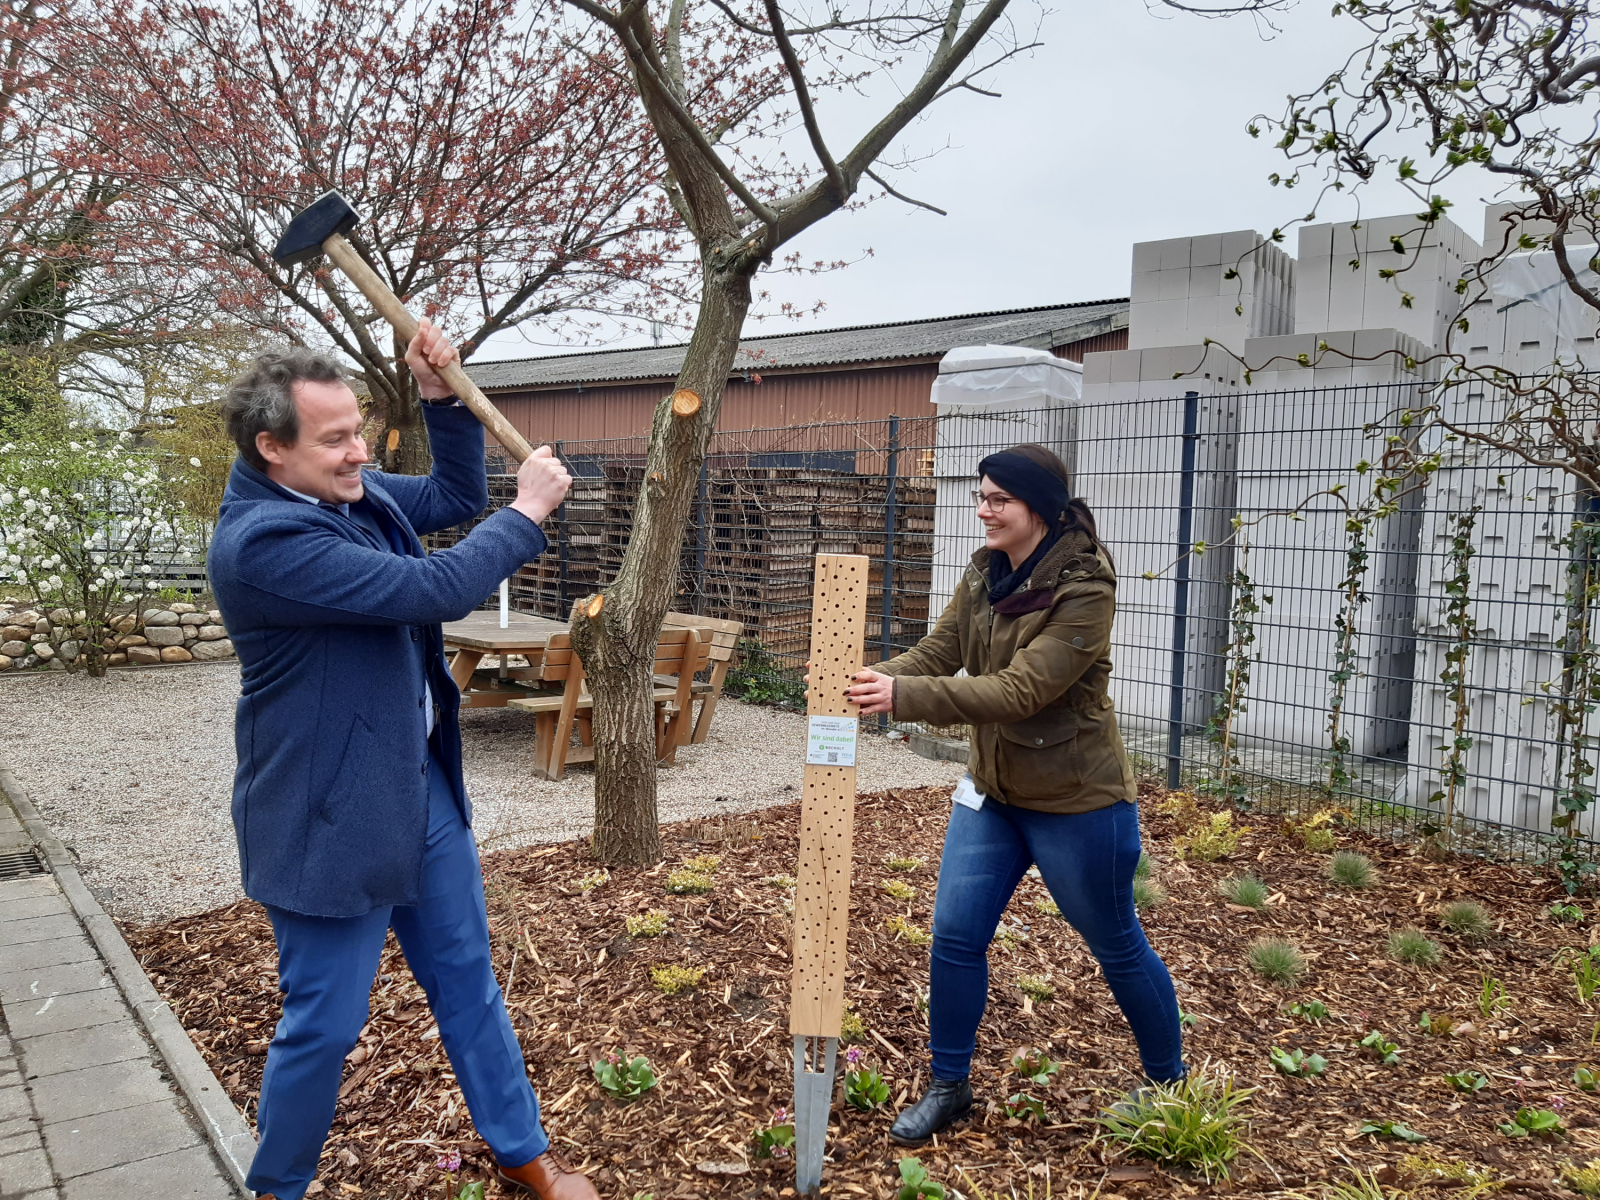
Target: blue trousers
x=1087 y=861
x=326 y=966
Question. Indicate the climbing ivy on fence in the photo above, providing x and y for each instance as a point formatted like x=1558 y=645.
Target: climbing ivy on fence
x=1463 y=627
x=1580 y=696
x=1236 y=686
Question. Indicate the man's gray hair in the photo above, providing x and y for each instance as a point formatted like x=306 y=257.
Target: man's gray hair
x=262 y=399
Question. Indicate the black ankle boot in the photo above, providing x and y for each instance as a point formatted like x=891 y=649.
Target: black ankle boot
x=945 y=1102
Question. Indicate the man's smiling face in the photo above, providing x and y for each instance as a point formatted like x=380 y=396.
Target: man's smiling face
x=325 y=460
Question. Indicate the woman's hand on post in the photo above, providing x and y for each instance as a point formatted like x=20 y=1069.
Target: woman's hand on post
x=874 y=692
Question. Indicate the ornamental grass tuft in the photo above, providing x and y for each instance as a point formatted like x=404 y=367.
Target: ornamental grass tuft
x=1276 y=959
x=1413 y=947
x=1147 y=893
x=1467 y=919
x=1199 y=1122
x=1244 y=890
x=1352 y=870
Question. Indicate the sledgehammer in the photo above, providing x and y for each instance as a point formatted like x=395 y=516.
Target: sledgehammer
x=320 y=229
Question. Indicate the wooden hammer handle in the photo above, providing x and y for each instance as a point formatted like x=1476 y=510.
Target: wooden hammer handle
x=355 y=267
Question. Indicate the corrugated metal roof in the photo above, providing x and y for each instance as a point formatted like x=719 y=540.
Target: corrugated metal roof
x=1053 y=325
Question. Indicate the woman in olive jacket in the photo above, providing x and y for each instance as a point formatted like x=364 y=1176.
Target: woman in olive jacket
x=1050 y=785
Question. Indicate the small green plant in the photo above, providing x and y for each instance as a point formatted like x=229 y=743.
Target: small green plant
x=647 y=924
x=674 y=979
x=1584 y=1180
x=899 y=889
x=1277 y=960
x=1314 y=1011
x=1023 y=1107
x=470 y=1191
x=904 y=864
x=863 y=1089
x=1586 y=1079
x=776 y=1140
x=1413 y=948
x=1187 y=1020
x=782 y=882
x=1562 y=911
x=703 y=864
x=1298 y=1063
x=1467 y=1081
x=1143 y=868
x=1358 y=1187
x=1395 y=1130
x=1037 y=988
x=1475 y=1181
x=1467 y=919
x=917 y=1184
x=1210 y=840
x=1534 y=1122
x=1245 y=890
x=1048 y=907
x=1378 y=1048
x=1008 y=934
x=1318 y=839
x=1492 y=997
x=1433 y=1026
x=908 y=931
x=624 y=1079
x=1147 y=893
x=851 y=1027
x=1352 y=870
x=1585 y=971
x=1035 y=1066
x=1198 y=1122
x=594 y=879
x=684 y=882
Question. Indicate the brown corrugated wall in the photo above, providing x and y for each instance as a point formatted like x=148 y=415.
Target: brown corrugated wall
x=862 y=392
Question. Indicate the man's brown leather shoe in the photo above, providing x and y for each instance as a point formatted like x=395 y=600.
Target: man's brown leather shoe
x=551 y=1177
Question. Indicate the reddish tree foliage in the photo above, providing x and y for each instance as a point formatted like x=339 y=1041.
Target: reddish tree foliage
x=502 y=167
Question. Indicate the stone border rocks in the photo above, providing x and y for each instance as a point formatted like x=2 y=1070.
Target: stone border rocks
x=55 y=640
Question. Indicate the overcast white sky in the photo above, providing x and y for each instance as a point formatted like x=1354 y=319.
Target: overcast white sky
x=1127 y=125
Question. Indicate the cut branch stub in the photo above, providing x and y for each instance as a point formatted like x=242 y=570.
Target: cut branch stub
x=685 y=403
x=595 y=604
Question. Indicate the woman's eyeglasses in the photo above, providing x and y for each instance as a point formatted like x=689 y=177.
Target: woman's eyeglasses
x=996 y=501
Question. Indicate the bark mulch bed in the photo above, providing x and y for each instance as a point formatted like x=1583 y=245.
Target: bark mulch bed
x=578 y=987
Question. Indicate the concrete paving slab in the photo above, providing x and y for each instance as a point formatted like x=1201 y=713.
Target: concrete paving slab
x=53 y=1014
x=11 y=1126
x=86 y=1144
x=38 y=929
x=21 y=986
x=17 y=1135
x=190 y=1174
x=100 y=1089
x=25 y=907
x=30 y=885
x=26 y=1171
x=30 y=956
x=14 y=1104
x=72 y=1050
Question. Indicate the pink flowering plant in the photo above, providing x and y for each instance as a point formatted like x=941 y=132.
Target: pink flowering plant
x=776 y=1140
x=450 y=1163
x=624 y=1079
x=863 y=1088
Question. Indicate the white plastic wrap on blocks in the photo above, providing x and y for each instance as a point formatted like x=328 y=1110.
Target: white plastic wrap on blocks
x=988 y=398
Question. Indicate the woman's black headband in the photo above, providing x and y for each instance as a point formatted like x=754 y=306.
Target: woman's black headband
x=1036 y=485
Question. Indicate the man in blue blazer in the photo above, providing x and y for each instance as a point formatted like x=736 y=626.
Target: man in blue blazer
x=348 y=802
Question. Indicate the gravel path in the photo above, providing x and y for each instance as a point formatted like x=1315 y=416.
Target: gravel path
x=135 y=772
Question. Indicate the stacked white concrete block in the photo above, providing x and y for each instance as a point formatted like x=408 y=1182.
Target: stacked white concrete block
x=1181 y=294
x=1302 y=431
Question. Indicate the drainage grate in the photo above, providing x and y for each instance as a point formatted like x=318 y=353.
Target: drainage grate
x=20 y=864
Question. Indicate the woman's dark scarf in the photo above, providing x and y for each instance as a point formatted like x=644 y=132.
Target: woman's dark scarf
x=1003 y=580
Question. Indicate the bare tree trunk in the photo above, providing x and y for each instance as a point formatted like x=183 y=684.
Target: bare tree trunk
x=616 y=637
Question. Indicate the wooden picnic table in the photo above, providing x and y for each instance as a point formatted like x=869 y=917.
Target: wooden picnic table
x=479 y=634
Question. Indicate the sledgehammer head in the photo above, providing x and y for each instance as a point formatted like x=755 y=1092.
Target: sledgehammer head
x=328 y=214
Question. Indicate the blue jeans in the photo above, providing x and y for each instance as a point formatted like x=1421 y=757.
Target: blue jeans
x=326 y=966
x=1087 y=861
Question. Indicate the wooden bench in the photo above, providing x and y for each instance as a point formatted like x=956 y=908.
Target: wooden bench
x=680 y=653
x=724 y=638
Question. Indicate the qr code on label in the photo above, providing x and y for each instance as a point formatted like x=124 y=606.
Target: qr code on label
x=833 y=756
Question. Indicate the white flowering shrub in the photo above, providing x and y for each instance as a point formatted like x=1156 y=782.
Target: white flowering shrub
x=80 y=522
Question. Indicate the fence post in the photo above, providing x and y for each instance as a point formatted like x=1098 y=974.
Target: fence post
x=890 y=521
x=700 y=544
x=1180 y=592
x=563 y=533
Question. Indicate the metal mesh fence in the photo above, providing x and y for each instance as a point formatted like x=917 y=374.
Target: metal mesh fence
x=1209 y=503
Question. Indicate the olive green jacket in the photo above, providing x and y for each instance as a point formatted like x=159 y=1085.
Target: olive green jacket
x=1044 y=733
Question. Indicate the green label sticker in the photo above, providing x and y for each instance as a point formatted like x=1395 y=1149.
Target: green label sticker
x=831 y=741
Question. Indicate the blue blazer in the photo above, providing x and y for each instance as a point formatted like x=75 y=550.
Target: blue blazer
x=335 y=634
